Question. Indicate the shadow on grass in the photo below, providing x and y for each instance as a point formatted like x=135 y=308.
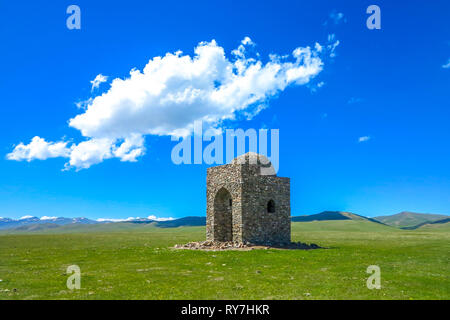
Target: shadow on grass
x=296 y=246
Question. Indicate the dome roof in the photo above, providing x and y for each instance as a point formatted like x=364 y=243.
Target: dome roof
x=254 y=158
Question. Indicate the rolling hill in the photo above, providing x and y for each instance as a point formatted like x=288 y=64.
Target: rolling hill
x=444 y=223
x=408 y=219
x=332 y=215
x=186 y=221
x=36 y=227
x=181 y=222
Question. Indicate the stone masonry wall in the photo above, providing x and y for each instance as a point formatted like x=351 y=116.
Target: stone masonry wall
x=261 y=226
x=228 y=177
x=250 y=193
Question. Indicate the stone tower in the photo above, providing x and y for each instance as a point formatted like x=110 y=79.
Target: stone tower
x=247 y=202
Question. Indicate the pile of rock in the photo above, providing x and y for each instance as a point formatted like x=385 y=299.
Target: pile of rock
x=230 y=245
x=213 y=245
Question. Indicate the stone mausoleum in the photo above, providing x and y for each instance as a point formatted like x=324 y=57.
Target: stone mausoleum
x=247 y=202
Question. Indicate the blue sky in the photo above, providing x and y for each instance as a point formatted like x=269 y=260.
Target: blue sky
x=390 y=85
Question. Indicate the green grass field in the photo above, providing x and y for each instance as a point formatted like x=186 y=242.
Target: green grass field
x=126 y=261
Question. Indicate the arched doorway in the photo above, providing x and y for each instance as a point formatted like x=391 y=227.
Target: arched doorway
x=223 y=216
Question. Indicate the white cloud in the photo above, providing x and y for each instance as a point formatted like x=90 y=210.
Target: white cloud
x=97 y=81
x=335 y=18
x=172 y=92
x=40 y=149
x=84 y=103
x=241 y=50
x=90 y=152
x=25 y=217
x=353 y=100
x=363 y=139
x=48 y=218
x=152 y=217
x=332 y=45
x=116 y=220
x=447 y=65
x=318 y=47
x=247 y=41
x=314 y=87
x=131 y=148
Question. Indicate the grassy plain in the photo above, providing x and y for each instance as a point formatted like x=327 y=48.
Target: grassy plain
x=126 y=261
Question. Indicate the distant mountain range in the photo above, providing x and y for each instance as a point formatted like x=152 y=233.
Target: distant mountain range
x=30 y=223
x=404 y=220
x=331 y=215
x=409 y=220
x=7 y=223
x=181 y=222
x=429 y=223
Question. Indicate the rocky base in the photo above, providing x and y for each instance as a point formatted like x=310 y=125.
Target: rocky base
x=230 y=245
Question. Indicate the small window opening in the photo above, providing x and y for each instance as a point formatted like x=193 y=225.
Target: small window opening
x=271 y=206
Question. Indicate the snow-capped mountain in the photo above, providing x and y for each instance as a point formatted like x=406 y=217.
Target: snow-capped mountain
x=7 y=223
